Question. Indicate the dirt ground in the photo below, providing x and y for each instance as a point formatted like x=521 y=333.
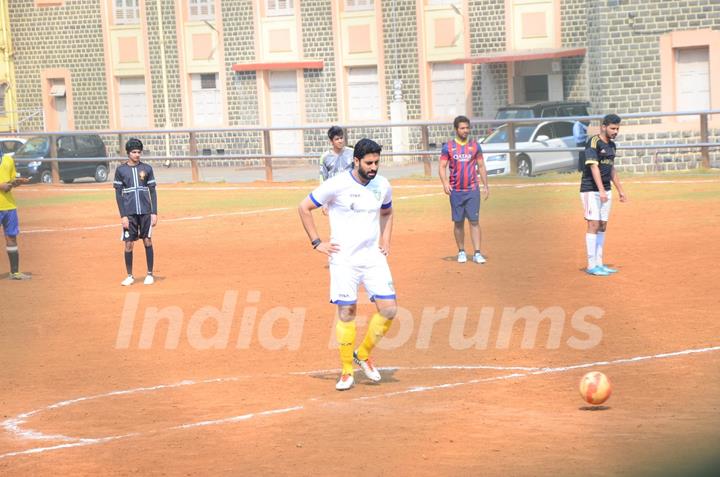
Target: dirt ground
x=238 y=376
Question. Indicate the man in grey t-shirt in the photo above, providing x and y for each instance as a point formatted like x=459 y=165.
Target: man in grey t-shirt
x=337 y=159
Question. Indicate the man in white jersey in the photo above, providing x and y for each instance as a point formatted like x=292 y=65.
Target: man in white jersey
x=360 y=208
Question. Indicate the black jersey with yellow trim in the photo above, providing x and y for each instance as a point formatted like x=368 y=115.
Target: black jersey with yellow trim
x=601 y=153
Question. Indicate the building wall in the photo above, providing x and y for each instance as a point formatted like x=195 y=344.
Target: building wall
x=573 y=27
x=241 y=87
x=621 y=71
x=320 y=85
x=8 y=108
x=171 y=61
x=71 y=38
x=487 y=34
x=624 y=58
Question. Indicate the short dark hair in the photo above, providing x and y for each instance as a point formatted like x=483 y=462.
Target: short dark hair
x=335 y=131
x=366 y=146
x=611 y=119
x=133 y=143
x=460 y=119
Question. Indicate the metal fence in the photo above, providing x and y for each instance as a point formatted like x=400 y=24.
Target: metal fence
x=253 y=145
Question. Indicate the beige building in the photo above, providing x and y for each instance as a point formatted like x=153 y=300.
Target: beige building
x=145 y=64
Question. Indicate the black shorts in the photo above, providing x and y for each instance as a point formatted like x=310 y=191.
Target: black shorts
x=139 y=227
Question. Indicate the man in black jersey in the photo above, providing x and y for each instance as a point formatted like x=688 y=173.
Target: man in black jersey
x=596 y=193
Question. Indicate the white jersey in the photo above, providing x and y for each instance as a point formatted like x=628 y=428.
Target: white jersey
x=354 y=211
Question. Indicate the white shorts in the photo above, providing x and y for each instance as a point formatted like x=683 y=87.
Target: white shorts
x=375 y=277
x=594 y=208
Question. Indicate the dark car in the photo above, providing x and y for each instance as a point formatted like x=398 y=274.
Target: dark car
x=31 y=160
x=545 y=109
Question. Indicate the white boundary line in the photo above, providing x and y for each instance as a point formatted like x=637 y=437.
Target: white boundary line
x=170 y=188
x=13 y=425
x=284 y=209
x=197 y=217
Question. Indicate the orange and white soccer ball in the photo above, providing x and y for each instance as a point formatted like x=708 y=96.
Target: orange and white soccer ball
x=595 y=388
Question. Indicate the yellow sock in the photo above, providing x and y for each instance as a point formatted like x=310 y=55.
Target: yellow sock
x=376 y=329
x=345 y=335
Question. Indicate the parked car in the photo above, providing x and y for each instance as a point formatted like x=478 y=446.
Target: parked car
x=31 y=160
x=545 y=109
x=9 y=145
x=548 y=134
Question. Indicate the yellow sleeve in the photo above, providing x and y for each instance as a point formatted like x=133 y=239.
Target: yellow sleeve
x=591 y=151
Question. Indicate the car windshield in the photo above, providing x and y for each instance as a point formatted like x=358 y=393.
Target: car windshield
x=35 y=147
x=514 y=114
x=522 y=134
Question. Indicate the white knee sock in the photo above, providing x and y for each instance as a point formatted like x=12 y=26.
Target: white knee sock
x=599 y=249
x=591 y=245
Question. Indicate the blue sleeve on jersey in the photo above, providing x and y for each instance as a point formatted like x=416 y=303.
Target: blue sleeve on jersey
x=317 y=204
x=444 y=153
x=386 y=206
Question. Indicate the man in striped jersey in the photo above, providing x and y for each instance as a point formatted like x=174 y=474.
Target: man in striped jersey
x=464 y=158
x=137 y=203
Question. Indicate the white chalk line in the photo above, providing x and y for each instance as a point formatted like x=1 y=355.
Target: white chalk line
x=170 y=187
x=284 y=209
x=424 y=368
x=197 y=217
x=13 y=425
x=546 y=370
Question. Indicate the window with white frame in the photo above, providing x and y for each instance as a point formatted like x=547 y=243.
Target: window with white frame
x=279 y=7
x=448 y=90
x=692 y=79
x=201 y=9
x=133 y=102
x=356 y=5
x=127 y=12
x=363 y=94
x=206 y=99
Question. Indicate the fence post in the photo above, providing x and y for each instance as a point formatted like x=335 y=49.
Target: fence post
x=267 y=149
x=193 y=162
x=511 y=145
x=704 y=151
x=121 y=146
x=425 y=145
x=54 y=168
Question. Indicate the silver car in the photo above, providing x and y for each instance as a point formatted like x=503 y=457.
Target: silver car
x=548 y=134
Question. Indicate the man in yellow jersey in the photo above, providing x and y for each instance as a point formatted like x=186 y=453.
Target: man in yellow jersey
x=8 y=214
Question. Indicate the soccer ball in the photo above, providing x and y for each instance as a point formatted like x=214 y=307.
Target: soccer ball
x=595 y=388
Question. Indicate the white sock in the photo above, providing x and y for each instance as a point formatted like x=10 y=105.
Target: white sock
x=590 y=244
x=599 y=249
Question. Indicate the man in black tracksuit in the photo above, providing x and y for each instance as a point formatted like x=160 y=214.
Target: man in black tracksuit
x=137 y=203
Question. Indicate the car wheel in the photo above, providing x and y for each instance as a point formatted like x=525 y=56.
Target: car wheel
x=67 y=181
x=524 y=166
x=46 y=177
x=101 y=173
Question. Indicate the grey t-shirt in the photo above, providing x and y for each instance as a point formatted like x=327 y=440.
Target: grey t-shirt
x=331 y=163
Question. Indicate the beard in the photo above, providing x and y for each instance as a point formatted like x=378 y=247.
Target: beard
x=368 y=176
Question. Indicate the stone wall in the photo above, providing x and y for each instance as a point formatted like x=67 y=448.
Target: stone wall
x=67 y=37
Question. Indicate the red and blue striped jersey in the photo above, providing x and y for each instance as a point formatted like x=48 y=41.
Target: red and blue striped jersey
x=463 y=162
